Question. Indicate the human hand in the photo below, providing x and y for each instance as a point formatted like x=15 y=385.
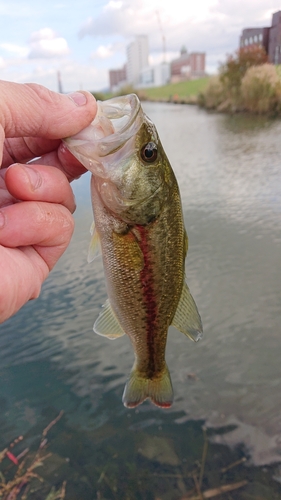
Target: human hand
x=36 y=200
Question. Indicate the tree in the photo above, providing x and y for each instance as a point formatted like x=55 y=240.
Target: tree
x=235 y=67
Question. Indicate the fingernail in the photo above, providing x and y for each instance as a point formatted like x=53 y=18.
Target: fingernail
x=2 y=220
x=35 y=178
x=79 y=98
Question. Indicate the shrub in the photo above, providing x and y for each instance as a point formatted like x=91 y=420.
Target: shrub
x=213 y=95
x=246 y=82
x=260 y=89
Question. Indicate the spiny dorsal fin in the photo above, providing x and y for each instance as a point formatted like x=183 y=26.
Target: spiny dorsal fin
x=94 y=248
x=187 y=319
x=107 y=324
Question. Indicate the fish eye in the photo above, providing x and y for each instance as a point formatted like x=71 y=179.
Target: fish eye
x=149 y=152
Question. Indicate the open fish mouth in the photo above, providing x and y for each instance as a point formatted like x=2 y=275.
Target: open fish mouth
x=117 y=120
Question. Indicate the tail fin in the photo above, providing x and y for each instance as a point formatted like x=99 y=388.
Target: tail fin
x=139 y=388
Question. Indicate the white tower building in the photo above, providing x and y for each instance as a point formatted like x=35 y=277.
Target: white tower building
x=137 y=58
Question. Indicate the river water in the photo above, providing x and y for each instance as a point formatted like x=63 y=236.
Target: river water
x=229 y=173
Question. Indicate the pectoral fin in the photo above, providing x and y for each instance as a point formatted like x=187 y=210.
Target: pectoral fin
x=94 y=248
x=107 y=324
x=187 y=318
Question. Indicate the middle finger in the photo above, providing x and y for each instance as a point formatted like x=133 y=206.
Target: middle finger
x=39 y=183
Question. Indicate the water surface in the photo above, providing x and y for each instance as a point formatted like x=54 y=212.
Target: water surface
x=229 y=175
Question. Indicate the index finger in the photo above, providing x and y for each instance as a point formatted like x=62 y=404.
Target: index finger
x=33 y=111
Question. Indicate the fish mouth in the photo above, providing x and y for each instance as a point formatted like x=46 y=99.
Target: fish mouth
x=117 y=120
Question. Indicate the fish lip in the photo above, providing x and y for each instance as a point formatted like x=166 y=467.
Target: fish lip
x=113 y=142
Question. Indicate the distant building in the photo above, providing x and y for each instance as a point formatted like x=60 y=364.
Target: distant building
x=139 y=73
x=137 y=58
x=274 y=45
x=155 y=76
x=117 y=78
x=255 y=36
x=188 y=66
x=268 y=37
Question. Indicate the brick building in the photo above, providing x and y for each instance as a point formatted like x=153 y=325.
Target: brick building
x=268 y=37
x=274 y=45
x=117 y=77
x=188 y=66
x=255 y=36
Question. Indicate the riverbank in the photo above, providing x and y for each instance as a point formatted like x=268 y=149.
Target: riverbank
x=183 y=92
x=186 y=92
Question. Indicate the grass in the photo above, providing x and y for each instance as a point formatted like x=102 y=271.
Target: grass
x=186 y=91
x=180 y=90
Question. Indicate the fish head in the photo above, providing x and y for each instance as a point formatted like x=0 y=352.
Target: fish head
x=122 y=149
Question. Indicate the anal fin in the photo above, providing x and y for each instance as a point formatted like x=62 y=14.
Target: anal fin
x=187 y=318
x=107 y=325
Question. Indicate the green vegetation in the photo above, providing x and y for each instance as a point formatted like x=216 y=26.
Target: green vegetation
x=246 y=82
x=186 y=91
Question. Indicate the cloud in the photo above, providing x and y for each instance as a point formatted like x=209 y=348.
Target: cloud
x=117 y=18
x=12 y=48
x=46 y=44
x=103 y=52
x=130 y=17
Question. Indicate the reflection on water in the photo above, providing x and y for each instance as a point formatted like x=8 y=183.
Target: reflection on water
x=230 y=180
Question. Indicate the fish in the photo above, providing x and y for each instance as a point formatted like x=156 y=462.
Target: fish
x=139 y=230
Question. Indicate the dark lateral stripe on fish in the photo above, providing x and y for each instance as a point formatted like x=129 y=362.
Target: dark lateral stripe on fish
x=147 y=280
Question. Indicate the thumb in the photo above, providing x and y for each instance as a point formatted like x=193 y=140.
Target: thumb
x=33 y=110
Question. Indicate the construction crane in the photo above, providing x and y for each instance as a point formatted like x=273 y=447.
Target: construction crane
x=163 y=36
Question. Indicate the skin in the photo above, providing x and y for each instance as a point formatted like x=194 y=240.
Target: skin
x=36 y=201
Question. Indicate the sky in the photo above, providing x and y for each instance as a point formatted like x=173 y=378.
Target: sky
x=84 y=39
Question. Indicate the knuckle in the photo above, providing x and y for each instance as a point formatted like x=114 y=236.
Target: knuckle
x=55 y=222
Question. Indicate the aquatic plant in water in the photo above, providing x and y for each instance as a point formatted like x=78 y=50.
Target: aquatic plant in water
x=17 y=485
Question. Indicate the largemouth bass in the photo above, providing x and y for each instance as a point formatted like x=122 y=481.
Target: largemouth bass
x=139 y=225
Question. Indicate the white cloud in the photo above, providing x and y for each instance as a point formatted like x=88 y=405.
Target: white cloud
x=114 y=5
x=43 y=34
x=45 y=44
x=12 y=48
x=103 y=52
x=142 y=16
